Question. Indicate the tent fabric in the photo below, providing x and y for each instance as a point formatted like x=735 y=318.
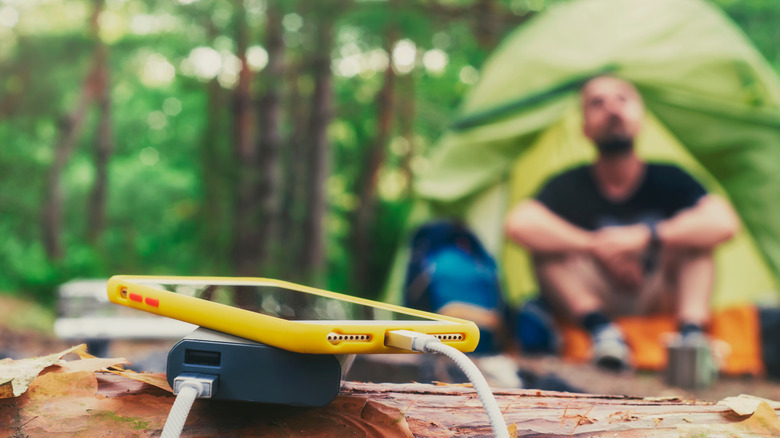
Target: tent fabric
x=713 y=107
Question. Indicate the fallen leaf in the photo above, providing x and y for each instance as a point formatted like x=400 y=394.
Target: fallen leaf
x=68 y=404
x=7 y=388
x=65 y=404
x=155 y=379
x=746 y=404
x=82 y=383
x=657 y=421
x=82 y=353
x=22 y=372
x=764 y=422
x=512 y=429
x=89 y=364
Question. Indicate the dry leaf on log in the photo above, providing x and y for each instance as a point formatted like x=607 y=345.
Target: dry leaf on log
x=763 y=423
x=746 y=404
x=23 y=372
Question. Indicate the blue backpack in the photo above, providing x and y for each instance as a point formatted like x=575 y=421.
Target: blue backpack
x=448 y=264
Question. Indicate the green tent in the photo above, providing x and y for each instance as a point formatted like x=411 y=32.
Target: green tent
x=713 y=107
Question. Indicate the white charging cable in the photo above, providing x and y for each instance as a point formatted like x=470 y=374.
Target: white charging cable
x=187 y=388
x=413 y=341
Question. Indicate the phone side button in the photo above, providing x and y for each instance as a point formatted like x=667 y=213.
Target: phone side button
x=136 y=297
x=154 y=302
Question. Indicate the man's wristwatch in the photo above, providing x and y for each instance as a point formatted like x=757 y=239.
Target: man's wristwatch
x=655 y=240
x=653 y=248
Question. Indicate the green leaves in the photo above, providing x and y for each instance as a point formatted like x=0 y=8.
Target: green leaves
x=170 y=208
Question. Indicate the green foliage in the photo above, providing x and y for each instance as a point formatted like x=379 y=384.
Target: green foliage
x=758 y=19
x=169 y=209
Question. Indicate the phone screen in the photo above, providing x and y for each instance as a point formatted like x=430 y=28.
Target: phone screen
x=281 y=302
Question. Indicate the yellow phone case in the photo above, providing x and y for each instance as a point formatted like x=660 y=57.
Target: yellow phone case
x=318 y=337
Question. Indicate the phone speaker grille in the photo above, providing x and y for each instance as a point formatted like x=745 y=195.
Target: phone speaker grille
x=449 y=336
x=335 y=338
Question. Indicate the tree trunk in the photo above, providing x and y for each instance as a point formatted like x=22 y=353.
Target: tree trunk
x=70 y=129
x=269 y=142
x=489 y=20
x=313 y=255
x=219 y=178
x=293 y=190
x=218 y=175
x=486 y=24
x=365 y=213
x=103 y=148
x=245 y=245
x=406 y=118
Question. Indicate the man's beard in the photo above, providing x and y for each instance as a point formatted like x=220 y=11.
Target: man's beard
x=617 y=145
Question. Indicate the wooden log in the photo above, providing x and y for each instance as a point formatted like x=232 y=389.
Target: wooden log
x=65 y=402
x=443 y=411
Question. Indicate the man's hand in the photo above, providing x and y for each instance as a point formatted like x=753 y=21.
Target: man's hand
x=616 y=242
x=619 y=251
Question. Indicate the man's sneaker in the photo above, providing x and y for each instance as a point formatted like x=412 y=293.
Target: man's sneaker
x=610 y=350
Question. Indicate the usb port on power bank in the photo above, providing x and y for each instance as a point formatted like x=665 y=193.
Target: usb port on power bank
x=200 y=357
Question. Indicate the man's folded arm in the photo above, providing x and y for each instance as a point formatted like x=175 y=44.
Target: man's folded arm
x=705 y=225
x=534 y=226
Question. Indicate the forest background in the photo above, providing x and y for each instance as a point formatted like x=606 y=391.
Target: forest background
x=274 y=138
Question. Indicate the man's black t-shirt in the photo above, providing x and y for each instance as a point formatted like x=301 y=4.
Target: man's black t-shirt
x=665 y=190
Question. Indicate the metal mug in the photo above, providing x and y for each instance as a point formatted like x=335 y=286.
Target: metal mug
x=691 y=364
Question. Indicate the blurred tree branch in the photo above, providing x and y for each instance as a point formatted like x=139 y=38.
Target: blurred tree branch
x=318 y=154
x=246 y=244
x=94 y=85
x=366 y=187
x=104 y=133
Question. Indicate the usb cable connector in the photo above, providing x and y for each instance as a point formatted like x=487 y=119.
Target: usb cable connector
x=204 y=384
x=187 y=387
x=409 y=340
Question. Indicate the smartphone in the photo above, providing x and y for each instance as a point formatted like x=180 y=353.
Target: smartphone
x=286 y=315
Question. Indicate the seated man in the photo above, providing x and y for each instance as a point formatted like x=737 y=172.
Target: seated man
x=621 y=236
